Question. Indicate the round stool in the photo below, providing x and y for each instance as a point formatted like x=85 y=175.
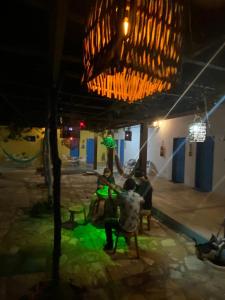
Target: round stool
x=75 y=210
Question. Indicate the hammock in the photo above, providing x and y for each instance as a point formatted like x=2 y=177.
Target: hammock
x=121 y=170
x=24 y=160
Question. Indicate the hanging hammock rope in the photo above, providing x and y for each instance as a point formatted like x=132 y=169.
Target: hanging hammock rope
x=24 y=160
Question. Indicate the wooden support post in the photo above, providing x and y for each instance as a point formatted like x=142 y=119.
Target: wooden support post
x=110 y=158
x=56 y=187
x=224 y=228
x=143 y=147
x=58 y=15
x=110 y=152
x=47 y=164
x=95 y=151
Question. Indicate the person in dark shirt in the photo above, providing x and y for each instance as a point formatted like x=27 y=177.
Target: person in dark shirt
x=143 y=188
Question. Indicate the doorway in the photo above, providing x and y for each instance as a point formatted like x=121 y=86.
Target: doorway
x=178 y=160
x=204 y=165
x=74 y=148
x=90 y=151
x=122 y=152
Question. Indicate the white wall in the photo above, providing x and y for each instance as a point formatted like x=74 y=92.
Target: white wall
x=217 y=129
x=131 y=148
x=178 y=127
x=164 y=135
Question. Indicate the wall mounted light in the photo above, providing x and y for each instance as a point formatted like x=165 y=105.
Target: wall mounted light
x=128 y=135
x=155 y=124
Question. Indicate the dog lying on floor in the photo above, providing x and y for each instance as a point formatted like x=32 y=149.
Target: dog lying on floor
x=213 y=250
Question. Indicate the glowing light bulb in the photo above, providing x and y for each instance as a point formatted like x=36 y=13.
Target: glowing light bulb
x=125 y=26
x=156 y=124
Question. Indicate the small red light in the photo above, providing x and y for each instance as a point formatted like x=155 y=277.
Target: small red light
x=71 y=138
x=82 y=124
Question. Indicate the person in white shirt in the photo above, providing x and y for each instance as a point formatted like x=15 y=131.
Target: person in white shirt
x=129 y=203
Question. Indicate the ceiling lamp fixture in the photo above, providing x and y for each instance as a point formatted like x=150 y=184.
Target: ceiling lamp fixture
x=132 y=47
x=197 y=131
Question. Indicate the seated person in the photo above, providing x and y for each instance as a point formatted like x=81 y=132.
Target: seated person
x=99 y=207
x=96 y=208
x=102 y=205
x=108 y=176
x=143 y=188
x=129 y=203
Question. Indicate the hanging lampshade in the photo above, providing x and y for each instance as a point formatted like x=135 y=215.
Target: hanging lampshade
x=197 y=132
x=132 y=47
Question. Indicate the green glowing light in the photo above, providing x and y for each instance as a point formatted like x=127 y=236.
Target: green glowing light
x=104 y=193
x=109 y=142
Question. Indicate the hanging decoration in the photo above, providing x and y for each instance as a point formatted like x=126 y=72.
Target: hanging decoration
x=109 y=141
x=197 y=131
x=132 y=47
x=22 y=158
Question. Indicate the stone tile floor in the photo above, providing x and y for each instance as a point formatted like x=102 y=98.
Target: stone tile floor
x=167 y=269
x=200 y=211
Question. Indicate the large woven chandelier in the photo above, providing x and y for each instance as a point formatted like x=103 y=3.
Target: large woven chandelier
x=132 y=47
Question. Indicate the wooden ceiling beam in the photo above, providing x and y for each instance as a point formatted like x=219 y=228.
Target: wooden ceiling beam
x=201 y=86
x=22 y=84
x=76 y=18
x=80 y=112
x=41 y=4
x=73 y=75
x=87 y=97
x=78 y=105
x=176 y=95
x=22 y=51
x=72 y=59
x=81 y=115
x=26 y=98
x=202 y=64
